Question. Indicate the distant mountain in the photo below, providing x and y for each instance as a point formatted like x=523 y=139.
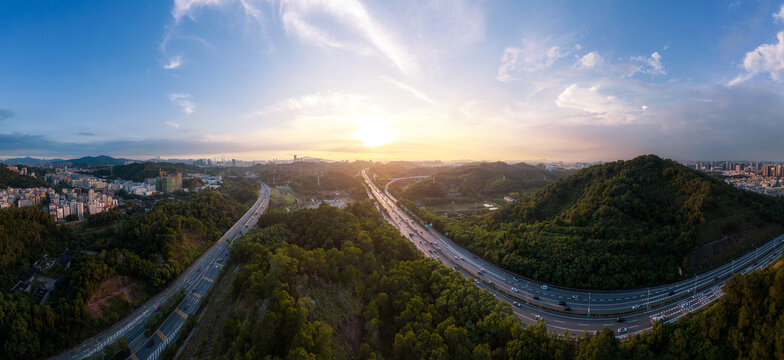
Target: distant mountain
x=30 y=161
x=83 y=162
x=630 y=223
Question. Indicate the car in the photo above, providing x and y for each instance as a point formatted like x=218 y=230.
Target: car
x=620 y=319
x=685 y=305
x=671 y=292
x=716 y=279
x=635 y=307
x=515 y=290
x=545 y=287
x=623 y=330
x=198 y=269
x=536 y=297
x=567 y=308
x=562 y=303
x=515 y=279
x=462 y=258
x=576 y=296
x=158 y=308
x=492 y=282
x=538 y=317
x=187 y=306
x=477 y=282
x=515 y=303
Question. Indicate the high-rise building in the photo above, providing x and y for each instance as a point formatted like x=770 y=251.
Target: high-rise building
x=167 y=183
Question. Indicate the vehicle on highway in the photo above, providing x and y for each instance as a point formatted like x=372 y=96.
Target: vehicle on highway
x=477 y=282
x=623 y=330
x=654 y=319
x=158 y=308
x=515 y=303
x=536 y=297
x=620 y=319
x=567 y=308
x=187 y=306
x=685 y=305
x=576 y=296
x=545 y=287
x=515 y=290
x=562 y=303
x=538 y=317
x=198 y=269
x=635 y=307
x=671 y=292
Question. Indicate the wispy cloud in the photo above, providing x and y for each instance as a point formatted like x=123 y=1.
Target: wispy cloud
x=172 y=124
x=414 y=92
x=173 y=63
x=608 y=109
x=646 y=64
x=317 y=103
x=86 y=133
x=533 y=55
x=298 y=17
x=779 y=16
x=184 y=101
x=766 y=58
x=6 y=114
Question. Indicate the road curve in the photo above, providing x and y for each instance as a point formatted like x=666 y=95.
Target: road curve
x=575 y=310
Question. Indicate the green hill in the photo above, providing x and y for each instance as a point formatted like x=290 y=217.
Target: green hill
x=9 y=178
x=141 y=171
x=479 y=181
x=624 y=224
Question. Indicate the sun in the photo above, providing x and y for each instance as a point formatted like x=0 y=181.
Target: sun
x=374 y=132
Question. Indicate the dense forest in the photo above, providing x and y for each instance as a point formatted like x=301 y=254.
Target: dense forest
x=25 y=234
x=340 y=284
x=12 y=179
x=142 y=253
x=141 y=171
x=334 y=284
x=619 y=225
x=477 y=181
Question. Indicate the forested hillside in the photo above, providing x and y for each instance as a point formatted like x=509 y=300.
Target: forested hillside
x=623 y=224
x=334 y=284
x=141 y=171
x=25 y=234
x=143 y=253
x=12 y=179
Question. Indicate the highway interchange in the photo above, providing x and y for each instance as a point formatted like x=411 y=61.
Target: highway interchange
x=196 y=280
x=575 y=310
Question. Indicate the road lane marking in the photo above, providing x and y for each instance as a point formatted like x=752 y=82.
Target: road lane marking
x=179 y=312
x=163 y=337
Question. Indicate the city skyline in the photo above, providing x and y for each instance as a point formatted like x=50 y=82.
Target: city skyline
x=352 y=80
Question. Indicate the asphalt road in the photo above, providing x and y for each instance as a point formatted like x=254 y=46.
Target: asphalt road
x=575 y=310
x=195 y=280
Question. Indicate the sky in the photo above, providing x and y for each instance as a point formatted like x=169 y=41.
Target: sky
x=393 y=80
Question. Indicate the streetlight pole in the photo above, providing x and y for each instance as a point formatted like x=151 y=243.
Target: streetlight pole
x=589 y=303
x=648 y=300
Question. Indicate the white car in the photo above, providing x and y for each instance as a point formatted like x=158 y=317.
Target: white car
x=515 y=290
x=545 y=287
x=635 y=307
x=623 y=330
x=538 y=317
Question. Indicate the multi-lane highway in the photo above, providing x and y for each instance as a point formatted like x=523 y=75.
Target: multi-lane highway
x=575 y=310
x=195 y=281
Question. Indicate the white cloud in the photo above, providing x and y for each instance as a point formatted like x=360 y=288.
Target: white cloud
x=184 y=101
x=318 y=103
x=173 y=63
x=654 y=65
x=534 y=55
x=351 y=14
x=779 y=16
x=416 y=93
x=184 y=8
x=590 y=60
x=644 y=107
x=607 y=108
x=767 y=58
x=172 y=124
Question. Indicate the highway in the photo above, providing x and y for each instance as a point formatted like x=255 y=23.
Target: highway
x=196 y=280
x=575 y=310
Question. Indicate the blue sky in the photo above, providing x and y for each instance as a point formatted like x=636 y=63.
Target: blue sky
x=354 y=79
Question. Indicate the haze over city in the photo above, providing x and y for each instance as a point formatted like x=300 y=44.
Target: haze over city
x=402 y=80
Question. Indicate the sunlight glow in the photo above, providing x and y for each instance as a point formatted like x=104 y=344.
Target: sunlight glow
x=374 y=131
